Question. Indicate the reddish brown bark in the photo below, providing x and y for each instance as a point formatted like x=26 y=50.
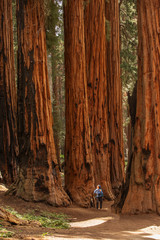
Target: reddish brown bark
x=39 y=178
x=78 y=158
x=144 y=187
x=8 y=123
x=56 y=111
x=95 y=40
x=114 y=87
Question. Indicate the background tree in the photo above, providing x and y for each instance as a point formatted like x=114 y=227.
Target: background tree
x=39 y=178
x=78 y=157
x=114 y=92
x=95 y=40
x=143 y=193
x=129 y=72
x=55 y=48
x=8 y=122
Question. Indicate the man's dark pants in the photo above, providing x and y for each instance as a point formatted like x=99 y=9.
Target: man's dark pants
x=99 y=199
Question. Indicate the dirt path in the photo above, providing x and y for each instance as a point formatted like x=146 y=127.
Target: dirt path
x=86 y=224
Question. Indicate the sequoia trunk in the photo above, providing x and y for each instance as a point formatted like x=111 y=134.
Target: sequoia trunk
x=8 y=123
x=39 y=178
x=95 y=40
x=144 y=188
x=56 y=110
x=114 y=94
x=78 y=158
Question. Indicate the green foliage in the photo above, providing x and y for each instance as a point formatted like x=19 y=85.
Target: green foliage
x=13 y=212
x=65 y=2
x=47 y=220
x=52 y=23
x=85 y=3
x=129 y=43
x=45 y=234
x=4 y=233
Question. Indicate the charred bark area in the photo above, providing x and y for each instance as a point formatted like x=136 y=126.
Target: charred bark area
x=114 y=93
x=8 y=123
x=132 y=101
x=143 y=194
x=95 y=49
x=39 y=178
x=78 y=158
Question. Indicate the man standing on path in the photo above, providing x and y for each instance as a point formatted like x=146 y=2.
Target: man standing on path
x=99 y=194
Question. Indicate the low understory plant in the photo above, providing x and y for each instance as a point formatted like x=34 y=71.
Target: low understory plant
x=49 y=220
x=46 y=219
x=5 y=233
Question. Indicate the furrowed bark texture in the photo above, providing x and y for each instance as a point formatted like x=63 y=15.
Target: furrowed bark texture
x=114 y=87
x=8 y=123
x=95 y=47
x=78 y=168
x=144 y=188
x=39 y=173
x=56 y=110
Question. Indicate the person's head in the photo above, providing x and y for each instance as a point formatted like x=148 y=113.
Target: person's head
x=98 y=187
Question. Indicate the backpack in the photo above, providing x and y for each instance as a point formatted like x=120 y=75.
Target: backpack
x=100 y=193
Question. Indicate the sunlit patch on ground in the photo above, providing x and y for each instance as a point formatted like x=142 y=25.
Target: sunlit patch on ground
x=90 y=222
x=152 y=231
x=156 y=236
x=3 y=188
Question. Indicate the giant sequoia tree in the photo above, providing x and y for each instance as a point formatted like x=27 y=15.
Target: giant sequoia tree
x=78 y=158
x=95 y=46
x=39 y=177
x=8 y=124
x=144 y=187
x=114 y=90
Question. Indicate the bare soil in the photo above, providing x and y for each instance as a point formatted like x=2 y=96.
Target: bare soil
x=85 y=224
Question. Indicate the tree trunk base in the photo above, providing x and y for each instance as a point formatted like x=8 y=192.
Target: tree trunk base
x=81 y=195
x=58 y=197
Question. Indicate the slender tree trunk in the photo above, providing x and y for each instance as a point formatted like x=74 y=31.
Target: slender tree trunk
x=8 y=123
x=56 y=109
x=143 y=193
x=132 y=100
x=39 y=178
x=95 y=40
x=78 y=158
x=114 y=94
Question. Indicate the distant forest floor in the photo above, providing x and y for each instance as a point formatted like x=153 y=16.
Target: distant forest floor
x=85 y=224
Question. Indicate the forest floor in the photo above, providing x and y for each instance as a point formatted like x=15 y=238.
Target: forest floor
x=85 y=224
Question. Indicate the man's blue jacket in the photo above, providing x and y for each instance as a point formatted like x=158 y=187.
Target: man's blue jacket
x=98 y=192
